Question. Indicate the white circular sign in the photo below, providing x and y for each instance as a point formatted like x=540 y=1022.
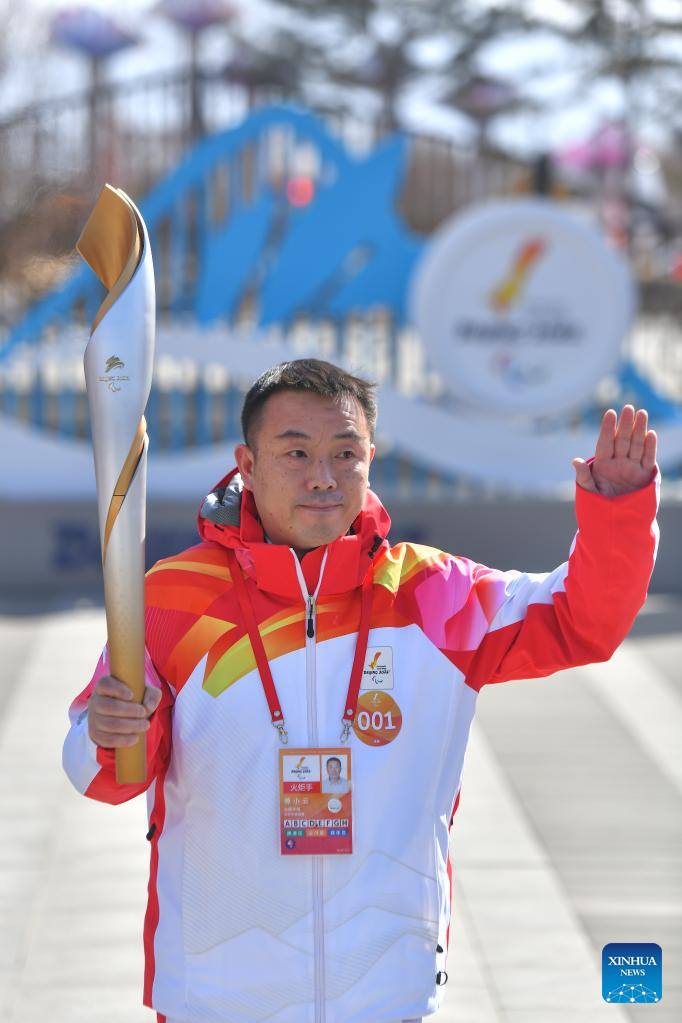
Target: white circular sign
x=522 y=306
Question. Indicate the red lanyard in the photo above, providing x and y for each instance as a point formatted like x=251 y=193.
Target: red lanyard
x=263 y=665
x=359 y=659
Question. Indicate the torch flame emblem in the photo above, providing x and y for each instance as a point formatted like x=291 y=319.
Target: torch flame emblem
x=509 y=290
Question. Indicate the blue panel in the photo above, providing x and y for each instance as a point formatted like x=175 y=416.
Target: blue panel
x=66 y=413
x=177 y=406
x=178 y=257
x=151 y=414
x=233 y=398
x=195 y=167
x=305 y=259
x=388 y=475
x=393 y=349
x=642 y=392
x=346 y=252
x=228 y=258
x=10 y=401
x=37 y=403
x=202 y=415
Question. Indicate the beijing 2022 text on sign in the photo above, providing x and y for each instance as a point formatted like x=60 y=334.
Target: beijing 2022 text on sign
x=522 y=306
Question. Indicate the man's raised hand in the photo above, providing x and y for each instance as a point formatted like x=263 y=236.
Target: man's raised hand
x=114 y=718
x=625 y=455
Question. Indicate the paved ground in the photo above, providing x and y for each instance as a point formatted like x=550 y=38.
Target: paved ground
x=569 y=836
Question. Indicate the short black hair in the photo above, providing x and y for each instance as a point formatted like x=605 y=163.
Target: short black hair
x=329 y=760
x=314 y=376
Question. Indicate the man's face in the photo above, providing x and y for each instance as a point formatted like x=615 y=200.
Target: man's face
x=333 y=770
x=307 y=467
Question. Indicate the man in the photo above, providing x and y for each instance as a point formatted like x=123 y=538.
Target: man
x=334 y=783
x=295 y=611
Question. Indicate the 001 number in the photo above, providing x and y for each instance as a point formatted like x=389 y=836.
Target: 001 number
x=377 y=721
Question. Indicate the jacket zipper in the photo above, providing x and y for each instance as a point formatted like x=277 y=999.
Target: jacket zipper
x=313 y=742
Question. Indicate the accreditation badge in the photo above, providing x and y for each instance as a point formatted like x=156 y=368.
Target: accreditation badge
x=315 y=802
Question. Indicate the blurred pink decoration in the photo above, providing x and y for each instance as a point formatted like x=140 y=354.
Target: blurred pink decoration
x=483 y=97
x=97 y=37
x=90 y=31
x=609 y=148
x=195 y=15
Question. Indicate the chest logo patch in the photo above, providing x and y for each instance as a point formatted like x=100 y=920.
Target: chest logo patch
x=378 y=670
x=378 y=719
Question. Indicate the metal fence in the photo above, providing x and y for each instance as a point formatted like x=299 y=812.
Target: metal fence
x=198 y=403
x=134 y=131
x=57 y=155
x=201 y=411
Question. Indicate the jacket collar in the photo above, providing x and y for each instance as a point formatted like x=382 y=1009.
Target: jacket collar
x=228 y=516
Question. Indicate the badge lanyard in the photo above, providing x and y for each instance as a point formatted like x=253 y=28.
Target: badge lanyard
x=267 y=681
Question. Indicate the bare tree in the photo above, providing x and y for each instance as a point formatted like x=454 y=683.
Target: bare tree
x=386 y=45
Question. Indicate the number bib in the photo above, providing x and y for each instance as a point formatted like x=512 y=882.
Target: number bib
x=378 y=719
x=315 y=802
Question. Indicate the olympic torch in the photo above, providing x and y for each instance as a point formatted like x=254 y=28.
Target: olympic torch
x=118 y=375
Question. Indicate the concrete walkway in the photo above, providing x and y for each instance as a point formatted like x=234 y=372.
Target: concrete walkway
x=569 y=836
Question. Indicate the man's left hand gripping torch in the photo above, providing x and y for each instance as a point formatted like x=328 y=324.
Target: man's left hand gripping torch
x=118 y=374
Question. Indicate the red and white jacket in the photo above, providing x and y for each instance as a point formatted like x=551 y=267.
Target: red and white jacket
x=237 y=933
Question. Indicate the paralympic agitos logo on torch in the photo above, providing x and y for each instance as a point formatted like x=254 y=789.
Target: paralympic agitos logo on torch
x=114 y=381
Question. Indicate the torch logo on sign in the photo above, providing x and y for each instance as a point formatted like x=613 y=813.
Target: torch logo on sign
x=509 y=290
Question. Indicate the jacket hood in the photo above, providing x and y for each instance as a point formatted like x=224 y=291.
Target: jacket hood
x=228 y=516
